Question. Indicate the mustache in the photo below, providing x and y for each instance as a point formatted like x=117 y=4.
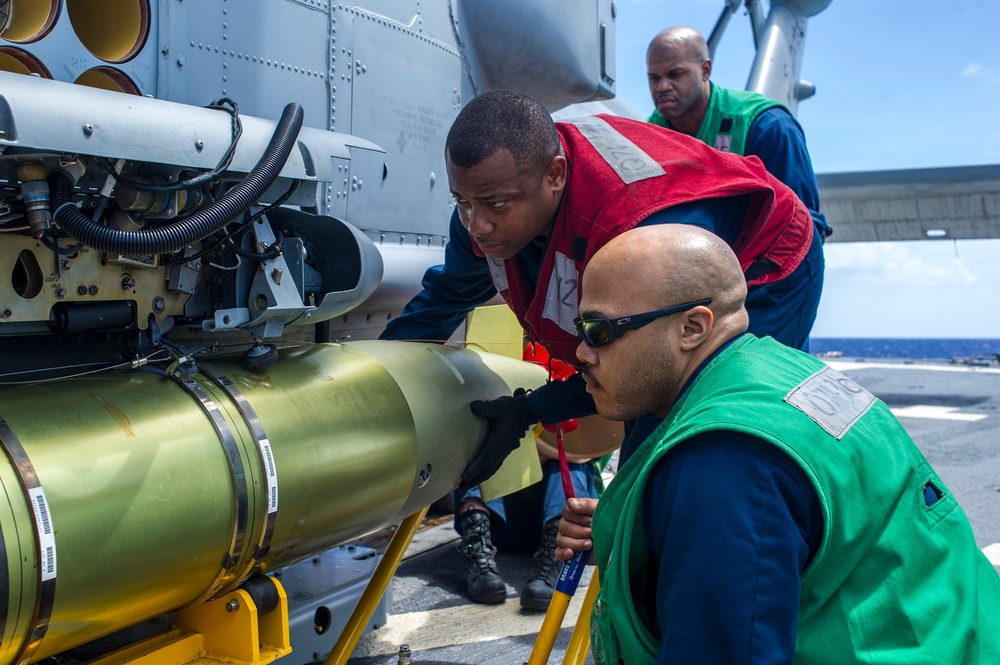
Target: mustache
x=588 y=375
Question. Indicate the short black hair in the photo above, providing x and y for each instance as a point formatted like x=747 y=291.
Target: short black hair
x=503 y=119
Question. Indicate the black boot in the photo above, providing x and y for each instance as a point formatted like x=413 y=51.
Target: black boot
x=538 y=591
x=482 y=580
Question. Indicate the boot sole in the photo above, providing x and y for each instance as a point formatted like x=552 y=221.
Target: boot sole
x=535 y=604
x=492 y=598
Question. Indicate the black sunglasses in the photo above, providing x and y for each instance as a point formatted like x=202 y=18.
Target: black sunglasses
x=601 y=332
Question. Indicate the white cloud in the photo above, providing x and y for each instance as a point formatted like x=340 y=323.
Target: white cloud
x=972 y=69
x=910 y=289
x=980 y=72
x=927 y=264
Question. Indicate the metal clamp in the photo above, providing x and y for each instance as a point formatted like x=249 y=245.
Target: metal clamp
x=264 y=451
x=240 y=500
x=44 y=540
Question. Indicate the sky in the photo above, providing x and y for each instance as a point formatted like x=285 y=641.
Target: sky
x=899 y=84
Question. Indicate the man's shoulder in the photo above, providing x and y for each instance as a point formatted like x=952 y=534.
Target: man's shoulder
x=748 y=97
x=775 y=121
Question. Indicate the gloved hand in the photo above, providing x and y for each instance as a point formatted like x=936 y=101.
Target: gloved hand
x=509 y=418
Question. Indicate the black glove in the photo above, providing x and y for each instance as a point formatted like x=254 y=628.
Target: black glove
x=509 y=418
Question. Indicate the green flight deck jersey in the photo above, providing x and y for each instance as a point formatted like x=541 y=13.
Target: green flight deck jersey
x=728 y=118
x=894 y=580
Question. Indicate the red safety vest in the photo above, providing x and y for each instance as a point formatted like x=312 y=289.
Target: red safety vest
x=620 y=172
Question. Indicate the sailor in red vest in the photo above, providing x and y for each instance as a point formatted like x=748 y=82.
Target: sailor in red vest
x=536 y=199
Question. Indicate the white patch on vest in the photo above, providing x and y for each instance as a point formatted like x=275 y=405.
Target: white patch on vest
x=626 y=158
x=724 y=142
x=832 y=400
x=561 y=298
x=497 y=272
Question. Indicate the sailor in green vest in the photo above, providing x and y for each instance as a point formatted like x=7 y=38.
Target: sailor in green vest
x=678 y=68
x=780 y=513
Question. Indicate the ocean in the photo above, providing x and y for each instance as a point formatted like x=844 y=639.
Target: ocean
x=934 y=348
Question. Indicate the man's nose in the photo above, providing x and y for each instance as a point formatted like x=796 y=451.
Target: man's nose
x=585 y=354
x=479 y=225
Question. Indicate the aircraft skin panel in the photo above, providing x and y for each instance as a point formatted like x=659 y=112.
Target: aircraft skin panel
x=913 y=204
x=405 y=115
x=241 y=51
x=572 y=51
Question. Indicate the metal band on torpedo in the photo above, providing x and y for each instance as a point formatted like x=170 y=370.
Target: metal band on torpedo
x=4 y=586
x=44 y=539
x=264 y=450
x=236 y=547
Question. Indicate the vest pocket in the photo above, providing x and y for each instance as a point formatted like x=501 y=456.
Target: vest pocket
x=934 y=497
x=931 y=494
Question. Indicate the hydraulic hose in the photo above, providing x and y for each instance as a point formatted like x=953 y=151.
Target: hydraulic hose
x=179 y=233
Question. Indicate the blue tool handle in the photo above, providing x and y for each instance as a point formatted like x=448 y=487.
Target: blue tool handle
x=569 y=576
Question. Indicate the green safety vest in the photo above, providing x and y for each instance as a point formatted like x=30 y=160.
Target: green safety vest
x=894 y=580
x=728 y=118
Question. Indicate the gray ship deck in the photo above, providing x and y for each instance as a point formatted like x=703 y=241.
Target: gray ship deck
x=952 y=411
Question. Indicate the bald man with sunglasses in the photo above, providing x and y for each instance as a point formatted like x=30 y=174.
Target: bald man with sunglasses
x=780 y=513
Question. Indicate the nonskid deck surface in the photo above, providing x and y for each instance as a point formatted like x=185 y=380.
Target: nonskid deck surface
x=952 y=412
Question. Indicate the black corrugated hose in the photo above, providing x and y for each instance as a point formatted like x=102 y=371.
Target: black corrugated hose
x=182 y=232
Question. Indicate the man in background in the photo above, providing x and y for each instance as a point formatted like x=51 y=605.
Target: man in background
x=678 y=68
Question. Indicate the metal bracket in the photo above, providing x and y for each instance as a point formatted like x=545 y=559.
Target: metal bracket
x=229 y=629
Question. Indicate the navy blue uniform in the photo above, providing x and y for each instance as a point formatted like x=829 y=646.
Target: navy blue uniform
x=778 y=140
x=732 y=522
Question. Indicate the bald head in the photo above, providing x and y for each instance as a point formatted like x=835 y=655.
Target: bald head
x=683 y=39
x=667 y=264
x=678 y=68
x=643 y=366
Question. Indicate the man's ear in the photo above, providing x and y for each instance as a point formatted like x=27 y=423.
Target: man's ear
x=555 y=174
x=706 y=69
x=697 y=326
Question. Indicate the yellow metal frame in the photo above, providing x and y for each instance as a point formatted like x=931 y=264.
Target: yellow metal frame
x=579 y=642
x=229 y=628
x=386 y=568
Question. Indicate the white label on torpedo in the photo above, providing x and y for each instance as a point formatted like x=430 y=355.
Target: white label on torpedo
x=46 y=535
x=271 y=474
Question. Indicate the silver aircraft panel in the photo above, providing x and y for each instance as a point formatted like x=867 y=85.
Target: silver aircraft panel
x=540 y=48
x=421 y=17
x=404 y=97
x=242 y=50
x=92 y=122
